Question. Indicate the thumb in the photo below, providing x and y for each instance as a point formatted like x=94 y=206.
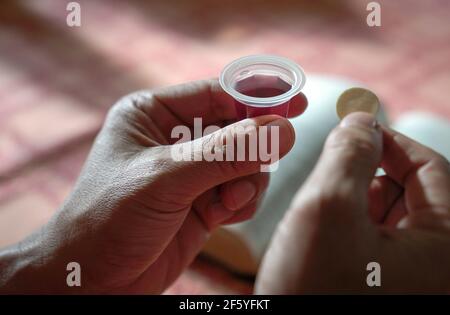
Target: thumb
x=348 y=163
x=240 y=149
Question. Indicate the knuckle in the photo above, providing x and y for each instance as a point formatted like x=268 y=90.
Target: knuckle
x=236 y=160
x=210 y=142
x=340 y=197
x=355 y=144
x=130 y=102
x=336 y=198
x=329 y=205
x=441 y=163
x=211 y=145
x=438 y=164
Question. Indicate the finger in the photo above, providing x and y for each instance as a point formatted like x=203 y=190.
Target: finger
x=383 y=193
x=243 y=214
x=423 y=173
x=341 y=179
x=221 y=203
x=204 y=98
x=240 y=192
x=396 y=213
x=160 y=111
x=214 y=215
x=298 y=105
x=179 y=105
x=217 y=214
x=227 y=154
x=191 y=237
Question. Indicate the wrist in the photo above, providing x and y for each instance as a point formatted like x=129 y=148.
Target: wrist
x=16 y=263
x=33 y=266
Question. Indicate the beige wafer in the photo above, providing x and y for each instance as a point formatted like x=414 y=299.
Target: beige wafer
x=357 y=100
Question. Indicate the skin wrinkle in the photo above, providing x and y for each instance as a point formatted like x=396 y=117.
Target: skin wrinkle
x=148 y=126
x=180 y=120
x=157 y=101
x=354 y=146
x=218 y=108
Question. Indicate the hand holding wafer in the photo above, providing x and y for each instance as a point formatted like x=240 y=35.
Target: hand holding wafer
x=344 y=218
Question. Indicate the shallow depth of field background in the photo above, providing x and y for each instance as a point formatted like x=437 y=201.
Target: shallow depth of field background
x=57 y=82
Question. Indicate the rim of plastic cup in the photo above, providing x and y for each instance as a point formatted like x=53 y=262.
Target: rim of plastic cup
x=287 y=64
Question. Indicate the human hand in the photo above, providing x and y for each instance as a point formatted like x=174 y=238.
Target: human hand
x=343 y=218
x=136 y=218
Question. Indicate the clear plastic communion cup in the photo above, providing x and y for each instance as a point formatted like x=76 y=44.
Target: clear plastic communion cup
x=262 y=84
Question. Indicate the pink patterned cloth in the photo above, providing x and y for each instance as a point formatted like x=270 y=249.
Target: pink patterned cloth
x=57 y=82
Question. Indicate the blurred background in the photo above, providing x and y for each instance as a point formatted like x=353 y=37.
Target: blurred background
x=57 y=82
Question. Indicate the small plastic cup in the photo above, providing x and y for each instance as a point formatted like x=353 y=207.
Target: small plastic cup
x=262 y=84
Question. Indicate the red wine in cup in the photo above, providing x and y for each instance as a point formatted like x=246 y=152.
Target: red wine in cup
x=261 y=86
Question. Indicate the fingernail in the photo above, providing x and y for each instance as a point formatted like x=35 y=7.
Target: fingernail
x=360 y=120
x=242 y=192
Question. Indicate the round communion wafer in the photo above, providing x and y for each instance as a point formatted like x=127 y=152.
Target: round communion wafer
x=357 y=100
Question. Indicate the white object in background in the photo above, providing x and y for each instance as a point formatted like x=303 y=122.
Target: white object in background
x=428 y=129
